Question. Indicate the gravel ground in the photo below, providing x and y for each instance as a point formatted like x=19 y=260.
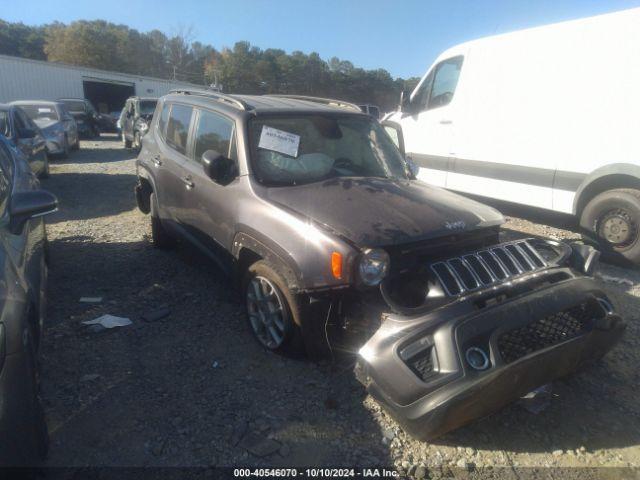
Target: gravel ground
x=195 y=389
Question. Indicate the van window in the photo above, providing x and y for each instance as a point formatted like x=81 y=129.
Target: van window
x=214 y=133
x=444 y=82
x=178 y=127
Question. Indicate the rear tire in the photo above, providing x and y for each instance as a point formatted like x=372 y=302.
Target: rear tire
x=125 y=143
x=45 y=170
x=137 y=142
x=613 y=219
x=273 y=310
x=76 y=146
x=159 y=236
x=65 y=148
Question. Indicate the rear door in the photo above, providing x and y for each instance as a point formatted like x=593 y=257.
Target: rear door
x=428 y=127
x=169 y=163
x=211 y=205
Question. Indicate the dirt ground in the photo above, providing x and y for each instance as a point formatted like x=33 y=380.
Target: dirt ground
x=195 y=389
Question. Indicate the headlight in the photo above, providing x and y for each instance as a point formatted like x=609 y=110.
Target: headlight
x=373 y=266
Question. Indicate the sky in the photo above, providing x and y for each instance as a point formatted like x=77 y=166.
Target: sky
x=401 y=36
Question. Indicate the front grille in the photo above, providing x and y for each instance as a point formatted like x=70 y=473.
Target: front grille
x=559 y=327
x=479 y=269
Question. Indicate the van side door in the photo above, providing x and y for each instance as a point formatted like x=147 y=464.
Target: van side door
x=427 y=125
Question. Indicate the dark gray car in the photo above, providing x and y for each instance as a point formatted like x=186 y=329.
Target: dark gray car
x=135 y=119
x=17 y=127
x=56 y=124
x=336 y=246
x=23 y=275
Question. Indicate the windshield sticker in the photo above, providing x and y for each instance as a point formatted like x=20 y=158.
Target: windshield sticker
x=44 y=110
x=279 y=141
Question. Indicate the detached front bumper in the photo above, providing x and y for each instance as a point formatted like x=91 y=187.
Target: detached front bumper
x=438 y=371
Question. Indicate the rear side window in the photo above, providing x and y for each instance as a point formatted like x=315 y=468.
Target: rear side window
x=162 y=121
x=214 y=133
x=178 y=127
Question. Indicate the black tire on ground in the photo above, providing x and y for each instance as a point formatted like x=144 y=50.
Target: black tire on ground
x=137 y=142
x=292 y=343
x=613 y=219
x=95 y=132
x=45 y=171
x=65 y=148
x=159 y=236
x=76 y=146
x=125 y=143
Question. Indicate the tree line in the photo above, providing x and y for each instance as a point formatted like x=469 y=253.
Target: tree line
x=243 y=68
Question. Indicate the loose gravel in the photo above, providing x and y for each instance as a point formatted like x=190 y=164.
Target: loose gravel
x=193 y=388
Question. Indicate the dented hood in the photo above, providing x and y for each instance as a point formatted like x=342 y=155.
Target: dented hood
x=378 y=212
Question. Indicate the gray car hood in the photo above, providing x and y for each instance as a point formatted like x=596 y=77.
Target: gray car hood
x=378 y=212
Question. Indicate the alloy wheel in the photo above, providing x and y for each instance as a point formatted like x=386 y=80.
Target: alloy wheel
x=617 y=228
x=266 y=312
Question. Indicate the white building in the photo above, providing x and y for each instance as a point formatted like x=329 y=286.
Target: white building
x=25 y=79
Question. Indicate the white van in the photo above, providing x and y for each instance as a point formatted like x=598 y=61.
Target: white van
x=547 y=117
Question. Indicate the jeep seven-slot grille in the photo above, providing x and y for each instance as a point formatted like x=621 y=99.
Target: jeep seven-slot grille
x=559 y=327
x=475 y=270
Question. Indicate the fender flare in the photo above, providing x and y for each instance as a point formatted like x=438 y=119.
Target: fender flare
x=627 y=169
x=271 y=252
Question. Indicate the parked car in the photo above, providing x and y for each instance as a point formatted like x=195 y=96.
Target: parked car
x=26 y=136
x=316 y=214
x=23 y=430
x=138 y=113
x=87 y=118
x=552 y=128
x=56 y=124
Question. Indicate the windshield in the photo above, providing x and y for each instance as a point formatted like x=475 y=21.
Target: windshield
x=147 y=107
x=38 y=112
x=75 y=106
x=293 y=150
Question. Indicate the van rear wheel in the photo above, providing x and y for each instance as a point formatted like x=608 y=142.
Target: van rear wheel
x=613 y=218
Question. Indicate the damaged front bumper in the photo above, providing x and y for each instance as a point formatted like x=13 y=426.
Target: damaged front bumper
x=437 y=371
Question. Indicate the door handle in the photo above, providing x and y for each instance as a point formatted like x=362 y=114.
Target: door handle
x=446 y=122
x=188 y=183
x=156 y=160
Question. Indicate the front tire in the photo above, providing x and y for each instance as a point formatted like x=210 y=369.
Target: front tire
x=137 y=142
x=273 y=311
x=613 y=218
x=65 y=148
x=45 y=170
x=159 y=236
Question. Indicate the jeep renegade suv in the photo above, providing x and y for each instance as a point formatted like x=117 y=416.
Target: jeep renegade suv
x=335 y=245
x=135 y=119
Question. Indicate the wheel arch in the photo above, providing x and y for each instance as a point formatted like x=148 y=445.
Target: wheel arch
x=617 y=175
x=248 y=249
x=144 y=189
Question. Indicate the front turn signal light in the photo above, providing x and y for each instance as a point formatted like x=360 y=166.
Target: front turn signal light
x=336 y=265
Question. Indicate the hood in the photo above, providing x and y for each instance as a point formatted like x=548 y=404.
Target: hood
x=373 y=212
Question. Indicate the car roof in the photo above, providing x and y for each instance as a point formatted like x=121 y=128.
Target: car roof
x=259 y=104
x=35 y=102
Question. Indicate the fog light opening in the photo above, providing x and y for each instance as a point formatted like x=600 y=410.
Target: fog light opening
x=477 y=358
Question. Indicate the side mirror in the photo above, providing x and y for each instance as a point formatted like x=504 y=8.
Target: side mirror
x=27 y=205
x=215 y=165
x=405 y=101
x=413 y=167
x=26 y=133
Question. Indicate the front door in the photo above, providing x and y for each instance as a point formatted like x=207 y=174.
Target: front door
x=211 y=205
x=428 y=124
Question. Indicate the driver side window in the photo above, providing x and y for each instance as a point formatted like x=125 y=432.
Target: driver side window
x=439 y=86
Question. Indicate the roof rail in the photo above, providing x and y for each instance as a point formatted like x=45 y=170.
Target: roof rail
x=221 y=97
x=325 y=101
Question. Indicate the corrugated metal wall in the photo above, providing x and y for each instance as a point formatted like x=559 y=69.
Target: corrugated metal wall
x=23 y=79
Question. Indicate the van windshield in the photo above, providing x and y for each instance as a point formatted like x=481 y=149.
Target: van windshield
x=293 y=150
